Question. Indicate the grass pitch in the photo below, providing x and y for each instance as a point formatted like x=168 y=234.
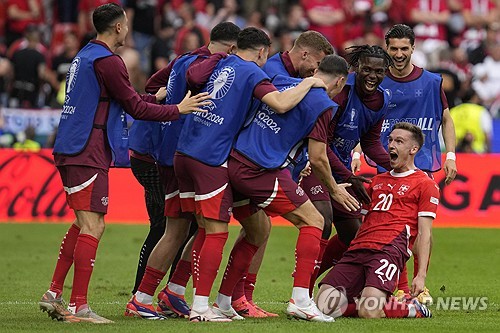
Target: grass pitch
x=465 y=263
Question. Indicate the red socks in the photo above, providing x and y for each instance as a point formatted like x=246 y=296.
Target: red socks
x=403 y=281
x=333 y=252
x=182 y=273
x=84 y=258
x=65 y=259
x=239 y=261
x=150 y=281
x=209 y=261
x=250 y=286
x=306 y=254
x=395 y=309
x=322 y=246
x=195 y=252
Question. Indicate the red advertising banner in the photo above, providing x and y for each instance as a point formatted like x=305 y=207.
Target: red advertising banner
x=31 y=191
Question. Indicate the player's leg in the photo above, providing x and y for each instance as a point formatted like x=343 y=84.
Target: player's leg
x=172 y=300
x=148 y=175
x=341 y=286
x=382 y=269
x=278 y=194
x=213 y=202
x=257 y=230
x=87 y=194
x=162 y=256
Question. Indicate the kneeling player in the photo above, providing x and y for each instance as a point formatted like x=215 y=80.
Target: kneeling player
x=403 y=204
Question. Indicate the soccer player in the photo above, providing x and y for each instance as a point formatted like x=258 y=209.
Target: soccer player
x=257 y=170
x=363 y=105
x=404 y=204
x=203 y=149
x=300 y=62
x=223 y=38
x=417 y=97
x=92 y=133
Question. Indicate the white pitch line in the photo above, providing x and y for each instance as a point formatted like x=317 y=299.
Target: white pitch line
x=101 y=303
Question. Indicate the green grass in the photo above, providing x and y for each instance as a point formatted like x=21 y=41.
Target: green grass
x=464 y=261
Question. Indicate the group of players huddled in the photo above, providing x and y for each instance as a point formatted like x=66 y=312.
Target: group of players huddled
x=227 y=132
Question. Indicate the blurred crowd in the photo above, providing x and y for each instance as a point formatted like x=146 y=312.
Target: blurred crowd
x=458 y=38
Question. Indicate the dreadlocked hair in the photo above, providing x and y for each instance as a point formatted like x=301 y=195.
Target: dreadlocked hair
x=363 y=51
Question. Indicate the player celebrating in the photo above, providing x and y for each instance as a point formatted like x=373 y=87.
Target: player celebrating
x=417 y=97
x=300 y=62
x=92 y=134
x=223 y=38
x=257 y=170
x=363 y=105
x=204 y=146
x=404 y=204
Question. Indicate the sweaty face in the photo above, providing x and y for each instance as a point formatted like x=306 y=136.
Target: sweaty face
x=370 y=73
x=401 y=149
x=310 y=63
x=400 y=50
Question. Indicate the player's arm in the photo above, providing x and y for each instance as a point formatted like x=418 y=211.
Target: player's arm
x=356 y=159
x=373 y=148
x=450 y=165
x=284 y=101
x=197 y=75
x=321 y=168
x=423 y=249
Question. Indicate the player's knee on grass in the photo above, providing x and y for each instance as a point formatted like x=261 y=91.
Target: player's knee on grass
x=371 y=303
x=331 y=301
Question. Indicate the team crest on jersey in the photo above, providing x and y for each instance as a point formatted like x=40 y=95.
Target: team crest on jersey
x=220 y=82
x=378 y=187
x=419 y=92
x=403 y=189
x=170 y=85
x=72 y=74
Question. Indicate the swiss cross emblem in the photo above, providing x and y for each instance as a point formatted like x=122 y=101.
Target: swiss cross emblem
x=403 y=189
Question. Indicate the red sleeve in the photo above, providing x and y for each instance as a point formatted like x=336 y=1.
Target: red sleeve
x=197 y=75
x=338 y=168
x=263 y=88
x=320 y=130
x=159 y=79
x=429 y=198
x=112 y=74
x=372 y=146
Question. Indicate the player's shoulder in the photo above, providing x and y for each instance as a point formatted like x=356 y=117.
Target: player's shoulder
x=424 y=180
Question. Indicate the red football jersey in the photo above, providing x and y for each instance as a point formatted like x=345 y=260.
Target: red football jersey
x=398 y=199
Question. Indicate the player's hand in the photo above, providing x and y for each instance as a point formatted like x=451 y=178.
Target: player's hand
x=417 y=285
x=192 y=103
x=305 y=172
x=316 y=83
x=359 y=189
x=355 y=165
x=344 y=198
x=161 y=94
x=450 y=171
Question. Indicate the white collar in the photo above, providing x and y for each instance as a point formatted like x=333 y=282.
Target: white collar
x=402 y=174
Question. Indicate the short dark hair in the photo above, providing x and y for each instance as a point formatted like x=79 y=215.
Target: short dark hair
x=334 y=65
x=400 y=31
x=415 y=131
x=106 y=15
x=225 y=32
x=252 y=38
x=364 y=51
x=315 y=41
